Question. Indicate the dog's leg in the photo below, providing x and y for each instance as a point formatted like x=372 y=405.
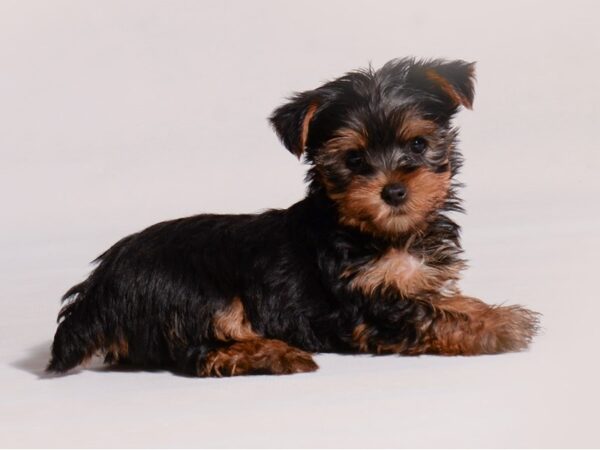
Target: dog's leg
x=256 y=356
x=236 y=349
x=450 y=326
x=473 y=327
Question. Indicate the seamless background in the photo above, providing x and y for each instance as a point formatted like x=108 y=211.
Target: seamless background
x=117 y=114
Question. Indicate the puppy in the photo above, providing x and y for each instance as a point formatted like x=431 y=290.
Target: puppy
x=367 y=262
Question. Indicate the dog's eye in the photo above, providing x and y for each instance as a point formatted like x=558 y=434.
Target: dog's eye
x=355 y=160
x=418 y=145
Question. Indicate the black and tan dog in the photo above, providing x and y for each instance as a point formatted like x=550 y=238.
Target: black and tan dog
x=368 y=262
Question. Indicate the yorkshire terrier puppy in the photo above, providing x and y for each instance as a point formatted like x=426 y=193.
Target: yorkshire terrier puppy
x=368 y=262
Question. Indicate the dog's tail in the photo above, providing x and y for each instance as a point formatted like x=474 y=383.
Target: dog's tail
x=82 y=328
x=76 y=340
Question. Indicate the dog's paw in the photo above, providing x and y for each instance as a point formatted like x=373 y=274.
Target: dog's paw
x=265 y=356
x=510 y=329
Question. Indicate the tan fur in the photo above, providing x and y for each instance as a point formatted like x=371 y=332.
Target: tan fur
x=473 y=327
x=360 y=337
x=427 y=191
x=414 y=126
x=117 y=350
x=447 y=87
x=461 y=326
x=310 y=112
x=347 y=139
x=407 y=274
x=361 y=204
x=257 y=356
x=231 y=323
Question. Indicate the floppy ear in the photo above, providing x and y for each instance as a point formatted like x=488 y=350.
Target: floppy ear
x=454 y=81
x=292 y=121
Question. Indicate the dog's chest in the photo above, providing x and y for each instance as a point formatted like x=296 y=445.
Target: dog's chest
x=406 y=272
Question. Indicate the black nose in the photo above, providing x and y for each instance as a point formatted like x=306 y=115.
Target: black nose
x=393 y=194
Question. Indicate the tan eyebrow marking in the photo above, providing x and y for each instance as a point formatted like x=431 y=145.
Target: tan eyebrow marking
x=415 y=126
x=346 y=139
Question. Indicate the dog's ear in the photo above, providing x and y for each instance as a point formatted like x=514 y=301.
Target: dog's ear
x=453 y=81
x=292 y=121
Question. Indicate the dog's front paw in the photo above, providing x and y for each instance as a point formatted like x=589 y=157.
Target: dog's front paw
x=509 y=329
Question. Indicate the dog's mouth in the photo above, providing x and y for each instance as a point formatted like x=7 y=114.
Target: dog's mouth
x=386 y=220
x=397 y=210
x=402 y=210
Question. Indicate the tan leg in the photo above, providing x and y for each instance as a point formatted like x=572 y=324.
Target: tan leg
x=451 y=326
x=469 y=326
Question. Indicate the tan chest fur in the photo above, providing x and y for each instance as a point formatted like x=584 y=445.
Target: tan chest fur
x=404 y=272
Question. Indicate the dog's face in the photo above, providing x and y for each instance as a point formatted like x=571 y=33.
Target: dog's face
x=380 y=142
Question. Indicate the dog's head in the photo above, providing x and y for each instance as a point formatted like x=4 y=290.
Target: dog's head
x=380 y=142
